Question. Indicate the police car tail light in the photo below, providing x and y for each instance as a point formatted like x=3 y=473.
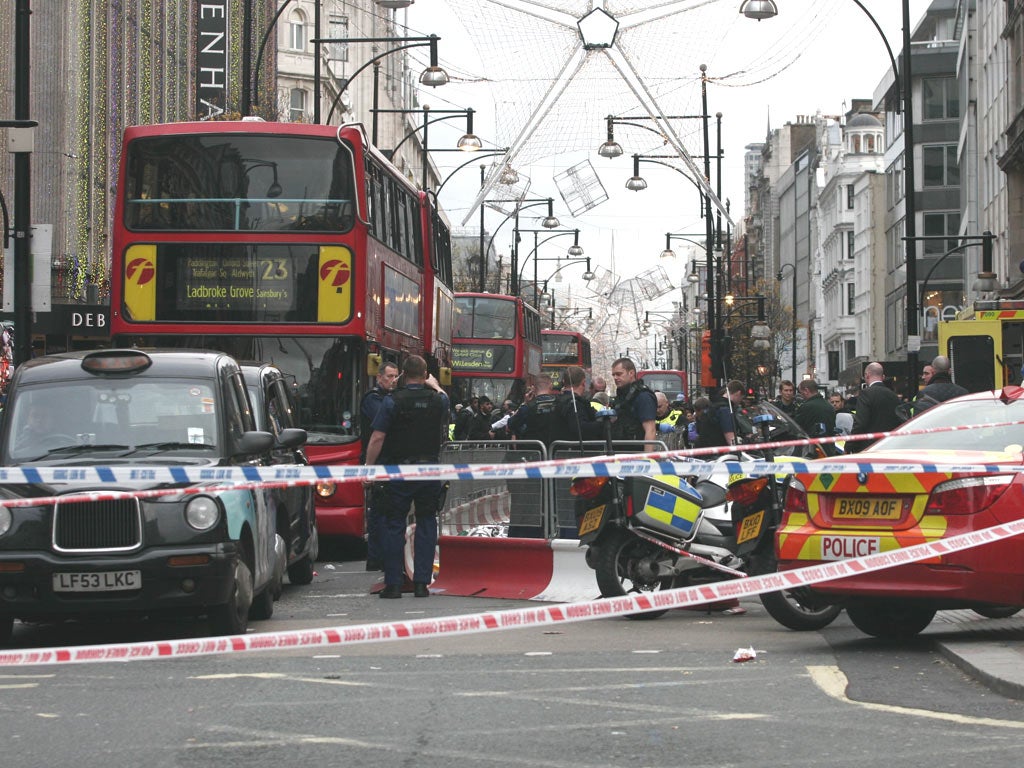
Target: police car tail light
x=588 y=487
x=967 y=495
x=325 y=489
x=746 y=492
x=796 y=497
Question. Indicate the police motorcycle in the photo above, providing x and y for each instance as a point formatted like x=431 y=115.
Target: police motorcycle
x=646 y=534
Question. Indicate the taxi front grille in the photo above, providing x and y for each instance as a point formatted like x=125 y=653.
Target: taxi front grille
x=97 y=526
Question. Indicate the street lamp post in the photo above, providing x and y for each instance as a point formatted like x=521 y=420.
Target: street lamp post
x=779 y=277
x=432 y=76
x=766 y=9
x=574 y=255
x=469 y=142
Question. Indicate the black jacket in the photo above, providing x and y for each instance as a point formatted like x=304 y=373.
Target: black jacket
x=876 y=412
x=816 y=417
x=940 y=389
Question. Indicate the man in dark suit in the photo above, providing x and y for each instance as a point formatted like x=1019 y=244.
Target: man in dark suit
x=876 y=407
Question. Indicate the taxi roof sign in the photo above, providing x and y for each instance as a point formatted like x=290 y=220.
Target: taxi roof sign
x=116 y=361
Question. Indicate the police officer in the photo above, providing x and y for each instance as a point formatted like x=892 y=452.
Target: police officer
x=635 y=405
x=536 y=419
x=408 y=429
x=387 y=377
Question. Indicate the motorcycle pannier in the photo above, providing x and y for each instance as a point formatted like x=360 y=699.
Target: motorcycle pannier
x=666 y=504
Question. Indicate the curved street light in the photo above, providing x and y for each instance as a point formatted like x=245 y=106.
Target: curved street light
x=432 y=76
x=766 y=9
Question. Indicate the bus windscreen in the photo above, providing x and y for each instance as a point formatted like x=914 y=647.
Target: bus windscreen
x=238 y=182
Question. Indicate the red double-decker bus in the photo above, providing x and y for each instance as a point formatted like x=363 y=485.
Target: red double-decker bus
x=299 y=245
x=561 y=349
x=496 y=348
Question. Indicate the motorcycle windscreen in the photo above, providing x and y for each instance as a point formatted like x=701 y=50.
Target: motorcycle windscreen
x=669 y=505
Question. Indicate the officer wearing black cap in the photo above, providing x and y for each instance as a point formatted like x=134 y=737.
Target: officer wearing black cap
x=409 y=429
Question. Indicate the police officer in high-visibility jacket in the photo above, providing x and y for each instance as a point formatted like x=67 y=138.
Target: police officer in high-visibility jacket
x=409 y=429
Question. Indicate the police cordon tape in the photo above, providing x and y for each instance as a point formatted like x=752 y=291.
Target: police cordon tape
x=516 y=618
x=216 y=479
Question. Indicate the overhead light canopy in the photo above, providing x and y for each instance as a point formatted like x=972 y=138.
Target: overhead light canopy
x=550 y=221
x=759 y=9
x=394 y=4
x=611 y=148
x=470 y=142
x=636 y=182
x=576 y=249
x=433 y=75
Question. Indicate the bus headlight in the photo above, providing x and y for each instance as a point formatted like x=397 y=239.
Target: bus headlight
x=202 y=513
x=323 y=490
x=5 y=520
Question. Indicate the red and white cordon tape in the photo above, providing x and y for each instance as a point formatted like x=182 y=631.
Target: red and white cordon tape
x=512 y=619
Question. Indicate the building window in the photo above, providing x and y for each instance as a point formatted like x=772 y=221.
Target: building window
x=849 y=197
x=337 y=29
x=851 y=300
x=851 y=350
x=297 y=33
x=941 y=98
x=849 y=243
x=940 y=166
x=297 y=105
x=855 y=148
x=941 y=224
x=870 y=142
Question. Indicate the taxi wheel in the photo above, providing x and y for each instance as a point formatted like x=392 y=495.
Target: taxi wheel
x=996 y=611
x=889 y=619
x=617 y=576
x=232 y=617
x=302 y=571
x=263 y=604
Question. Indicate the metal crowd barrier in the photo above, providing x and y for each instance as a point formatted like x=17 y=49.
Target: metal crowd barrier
x=519 y=504
x=542 y=509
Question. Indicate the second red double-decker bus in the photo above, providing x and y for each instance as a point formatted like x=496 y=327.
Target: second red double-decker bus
x=562 y=349
x=496 y=348
x=294 y=244
x=672 y=383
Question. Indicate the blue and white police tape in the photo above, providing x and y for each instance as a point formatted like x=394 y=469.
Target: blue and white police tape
x=190 y=480
x=512 y=619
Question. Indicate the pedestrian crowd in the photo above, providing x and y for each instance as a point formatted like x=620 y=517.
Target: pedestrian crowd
x=406 y=418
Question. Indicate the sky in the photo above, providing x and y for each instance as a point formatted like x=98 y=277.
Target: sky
x=817 y=55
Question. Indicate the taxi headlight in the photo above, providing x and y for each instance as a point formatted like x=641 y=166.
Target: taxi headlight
x=5 y=520
x=323 y=490
x=202 y=513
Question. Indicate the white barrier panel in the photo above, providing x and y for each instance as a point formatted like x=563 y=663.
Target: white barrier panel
x=511 y=619
x=571 y=578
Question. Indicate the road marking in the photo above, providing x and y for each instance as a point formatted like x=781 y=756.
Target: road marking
x=833 y=682
x=279 y=676
x=643 y=651
x=18 y=685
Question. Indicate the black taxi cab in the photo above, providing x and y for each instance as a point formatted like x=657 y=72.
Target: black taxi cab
x=212 y=552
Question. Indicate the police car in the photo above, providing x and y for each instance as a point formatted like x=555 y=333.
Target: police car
x=838 y=516
x=216 y=553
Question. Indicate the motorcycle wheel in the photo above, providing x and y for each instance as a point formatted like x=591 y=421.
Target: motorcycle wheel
x=616 y=570
x=802 y=615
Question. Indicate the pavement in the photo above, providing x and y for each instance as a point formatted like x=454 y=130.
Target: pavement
x=989 y=650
